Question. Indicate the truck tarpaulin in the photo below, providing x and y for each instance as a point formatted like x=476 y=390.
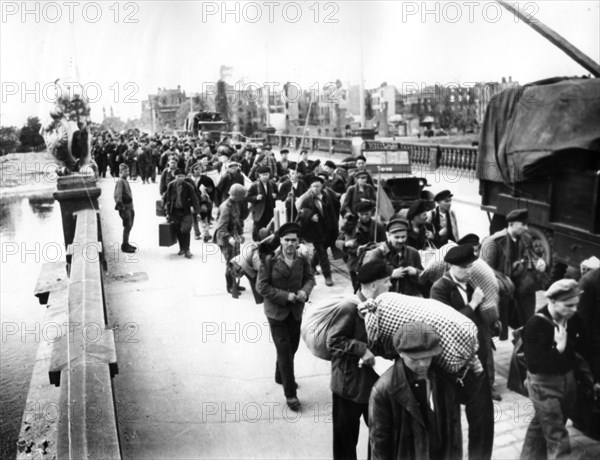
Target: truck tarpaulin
x=525 y=126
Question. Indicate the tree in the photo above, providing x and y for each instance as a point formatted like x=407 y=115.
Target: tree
x=9 y=139
x=112 y=123
x=30 y=136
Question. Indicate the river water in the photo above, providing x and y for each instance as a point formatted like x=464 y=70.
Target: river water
x=30 y=234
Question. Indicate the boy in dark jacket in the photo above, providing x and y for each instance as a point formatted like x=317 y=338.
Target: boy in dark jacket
x=124 y=204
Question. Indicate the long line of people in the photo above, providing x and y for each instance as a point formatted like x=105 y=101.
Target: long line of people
x=413 y=410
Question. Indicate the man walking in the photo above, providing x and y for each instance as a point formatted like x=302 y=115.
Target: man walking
x=124 y=204
x=319 y=222
x=510 y=252
x=413 y=410
x=285 y=280
x=454 y=289
x=405 y=260
x=262 y=195
x=352 y=373
x=180 y=201
x=551 y=339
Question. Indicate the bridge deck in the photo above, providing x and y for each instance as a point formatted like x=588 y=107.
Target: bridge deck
x=196 y=367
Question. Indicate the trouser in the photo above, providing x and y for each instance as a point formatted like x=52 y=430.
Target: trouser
x=475 y=393
x=229 y=252
x=183 y=227
x=320 y=258
x=257 y=297
x=286 y=337
x=346 y=425
x=127 y=216
x=553 y=398
x=199 y=220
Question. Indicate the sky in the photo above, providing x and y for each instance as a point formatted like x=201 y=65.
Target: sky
x=123 y=51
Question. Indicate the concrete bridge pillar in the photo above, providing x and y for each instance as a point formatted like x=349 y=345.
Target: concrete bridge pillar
x=75 y=192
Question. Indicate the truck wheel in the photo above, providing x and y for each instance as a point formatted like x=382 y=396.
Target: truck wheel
x=542 y=243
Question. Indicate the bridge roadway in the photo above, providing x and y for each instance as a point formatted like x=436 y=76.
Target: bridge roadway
x=196 y=367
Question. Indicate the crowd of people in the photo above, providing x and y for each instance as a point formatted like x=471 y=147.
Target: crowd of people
x=413 y=410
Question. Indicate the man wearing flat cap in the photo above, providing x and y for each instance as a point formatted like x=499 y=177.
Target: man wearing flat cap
x=357 y=232
x=413 y=409
x=180 y=203
x=443 y=218
x=261 y=196
x=318 y=220
x=337 y=182
x=420 y=231
x=510 y=253
x=405 y=260
x=285 y=280
x=360 y=192
x=352 y=373
x=455 y=290
x=551 y=339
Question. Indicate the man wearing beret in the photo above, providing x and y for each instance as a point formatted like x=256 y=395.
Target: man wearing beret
x=319 y=223
x=356 y=233
x=551 y=339
x=285 y=280
x=352 y=373
x=261 y=195
x=454 y=289
x=413 y=410
x=443 y=219
x=337 y=183
x=405 y=260
x=361 y=192
x=510 y=252
x=180 y=201
x=283 y=165
x=420 y=231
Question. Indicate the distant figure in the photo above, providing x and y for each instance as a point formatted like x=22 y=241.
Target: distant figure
x=124 y=204
x=180 y=202
x=444 y=220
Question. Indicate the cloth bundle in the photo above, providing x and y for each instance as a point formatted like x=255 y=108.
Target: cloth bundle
x=316 y=321
x=458 y=334
x=247 y=261
x=482 y=276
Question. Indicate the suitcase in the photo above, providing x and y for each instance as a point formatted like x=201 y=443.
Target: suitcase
x=160 y=209
x=166 y=234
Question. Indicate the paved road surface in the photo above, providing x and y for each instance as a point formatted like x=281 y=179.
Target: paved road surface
x=196 y=367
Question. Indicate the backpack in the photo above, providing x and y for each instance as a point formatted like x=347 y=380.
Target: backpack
x=317 y=320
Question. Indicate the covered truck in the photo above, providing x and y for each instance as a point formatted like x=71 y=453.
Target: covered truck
x=540 y=149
